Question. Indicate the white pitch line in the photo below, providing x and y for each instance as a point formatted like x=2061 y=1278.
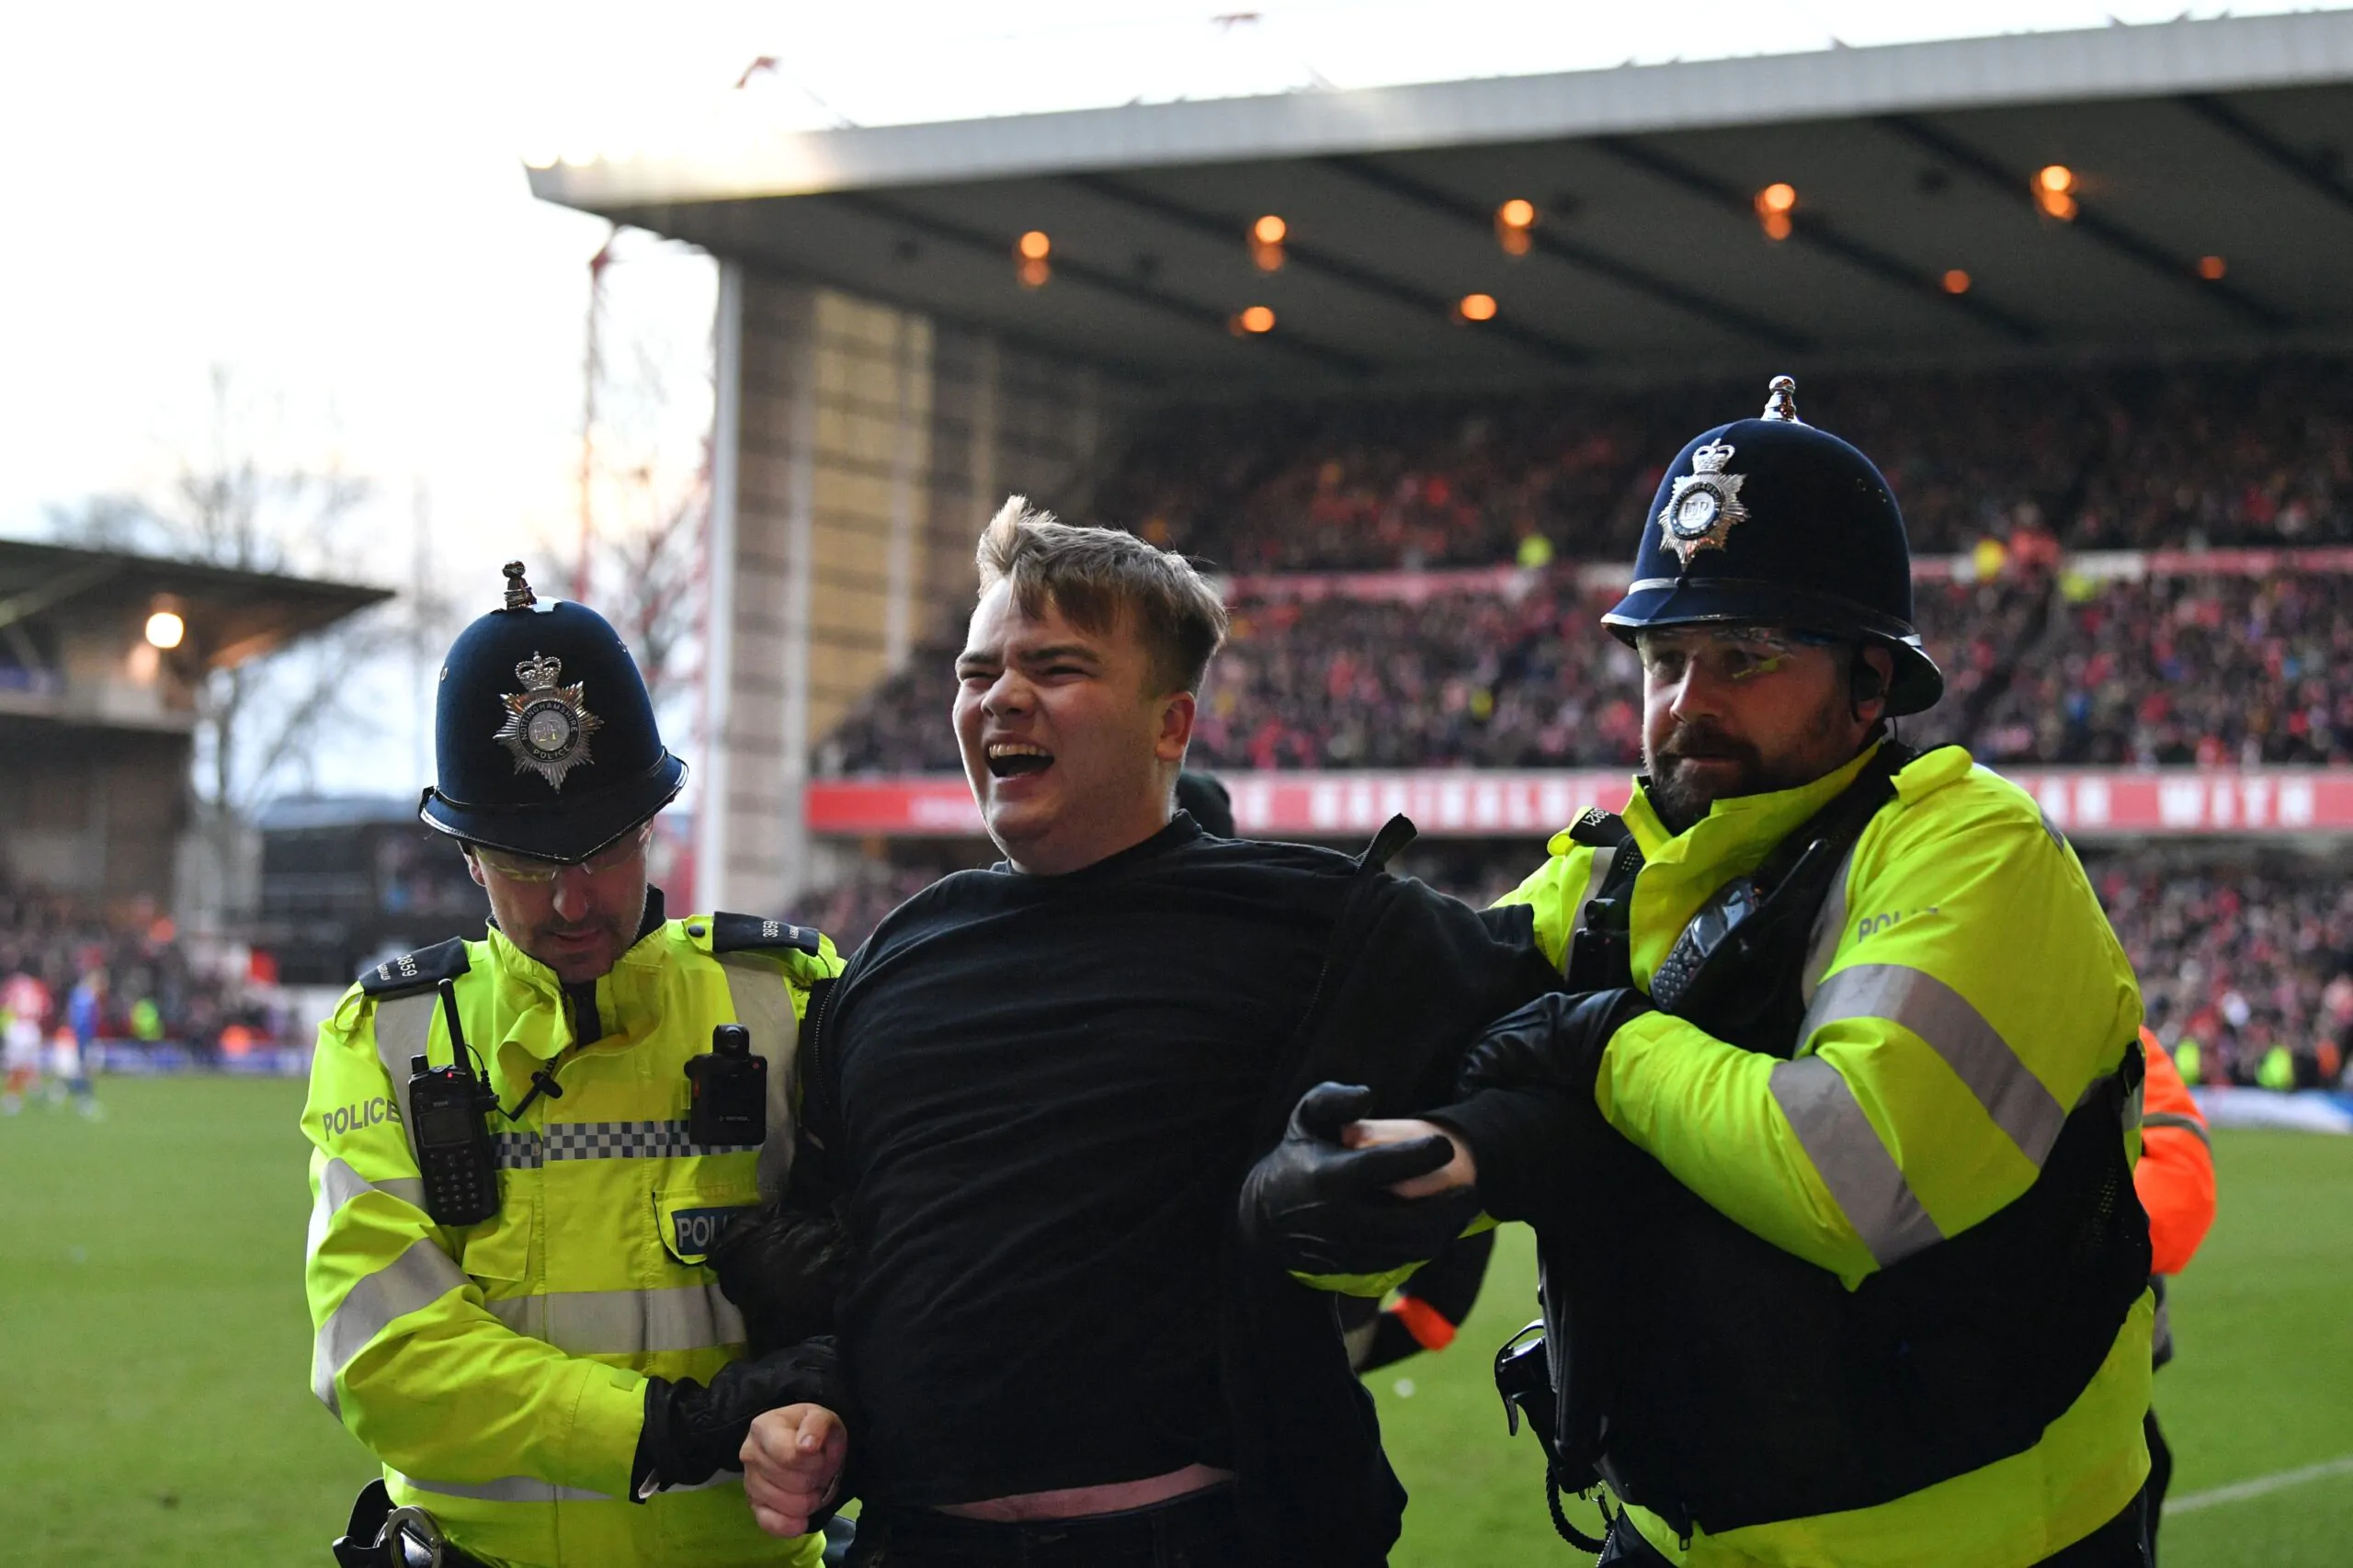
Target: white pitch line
x=2240 y=1490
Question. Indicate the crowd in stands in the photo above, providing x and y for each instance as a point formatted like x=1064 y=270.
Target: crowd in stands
x=2042 y=664
x=2040 y=667
x=2238 y=453
x=106 y=979
x=2240 y=958
x=2211 y=670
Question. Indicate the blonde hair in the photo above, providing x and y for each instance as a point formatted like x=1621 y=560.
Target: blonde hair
x=1095 y=576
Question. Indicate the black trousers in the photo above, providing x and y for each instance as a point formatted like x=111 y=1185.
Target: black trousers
x=2122 y=1542
x=2160 y=1478
x=1198 y=1531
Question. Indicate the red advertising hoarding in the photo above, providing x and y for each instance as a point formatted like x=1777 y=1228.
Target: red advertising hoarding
x=2086 y=802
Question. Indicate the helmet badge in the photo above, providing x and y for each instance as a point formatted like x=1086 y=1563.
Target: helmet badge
x=1704 y=505
x=547 y=728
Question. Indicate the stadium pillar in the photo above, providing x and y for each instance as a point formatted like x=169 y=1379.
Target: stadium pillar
x=752 y=835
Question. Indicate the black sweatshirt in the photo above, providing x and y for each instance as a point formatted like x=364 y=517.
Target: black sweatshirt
x=1037 y=1098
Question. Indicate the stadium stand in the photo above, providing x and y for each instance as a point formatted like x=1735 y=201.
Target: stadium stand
x=2250 y=452
x=2010 y=468
x=2239 y=955
x=2044 y=666
x=2207 y=669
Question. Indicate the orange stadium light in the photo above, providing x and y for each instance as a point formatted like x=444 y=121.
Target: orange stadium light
x=2211 y=267
x=1035 y=245
x=1956 y=281
x=1513 y=220
x=1475 y=307
x=2054 y=185
x=1255 y=319
x=1266 y=242
x=1774 y=204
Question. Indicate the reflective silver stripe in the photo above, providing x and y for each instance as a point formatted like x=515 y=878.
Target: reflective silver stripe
x=763 y=999
x=625 y=1323
x=1829 y=925
x=339 y=1184
x=508 y=1488
x=1854 y=1164
x=530 y=1489
x=2188 y=1124
x=404 y=1029
x=418 y=1277
x=1956 y=1031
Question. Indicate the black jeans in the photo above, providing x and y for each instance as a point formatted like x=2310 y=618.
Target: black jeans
x=2120 y=1543
x=1198 y=1531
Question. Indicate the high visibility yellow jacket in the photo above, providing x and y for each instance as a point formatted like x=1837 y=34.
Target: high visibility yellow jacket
x=1964 y=991
x=498 y=1370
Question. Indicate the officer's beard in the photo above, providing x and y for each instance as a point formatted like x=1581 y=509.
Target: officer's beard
x=1681 y=795
x=579 y=951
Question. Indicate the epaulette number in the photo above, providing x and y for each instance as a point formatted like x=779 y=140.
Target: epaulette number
x=740 y=933
x=417 y=971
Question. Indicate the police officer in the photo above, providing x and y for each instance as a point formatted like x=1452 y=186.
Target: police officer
x=1828 y=1140
x=557 y=1381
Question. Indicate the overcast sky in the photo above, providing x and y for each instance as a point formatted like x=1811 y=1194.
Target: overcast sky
x=329 y=201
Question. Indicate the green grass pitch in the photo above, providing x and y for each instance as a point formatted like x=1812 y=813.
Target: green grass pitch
x=157 y=1408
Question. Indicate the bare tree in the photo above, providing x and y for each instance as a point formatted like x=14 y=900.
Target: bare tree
x=651 y=470
x=652 y=570
x=233 y=503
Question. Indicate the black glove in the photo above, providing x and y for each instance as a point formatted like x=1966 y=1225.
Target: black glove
x=692 y=1432
x=1316 y=1207
x=784 y=1268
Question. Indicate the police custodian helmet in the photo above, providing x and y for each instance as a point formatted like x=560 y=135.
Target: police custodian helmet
x=543 y=737
x=1771 y=520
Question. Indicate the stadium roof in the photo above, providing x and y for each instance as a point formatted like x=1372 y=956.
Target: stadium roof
x=2214 y=144
x=231 y=615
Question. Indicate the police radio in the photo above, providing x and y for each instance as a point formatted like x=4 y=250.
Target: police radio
x=728 y=1092
x=447 y=1111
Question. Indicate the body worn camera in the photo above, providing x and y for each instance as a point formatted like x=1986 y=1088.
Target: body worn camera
x=728 y=1092
x=448 y=1110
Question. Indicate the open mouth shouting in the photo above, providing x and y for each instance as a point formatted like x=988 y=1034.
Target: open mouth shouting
x=1017 y=759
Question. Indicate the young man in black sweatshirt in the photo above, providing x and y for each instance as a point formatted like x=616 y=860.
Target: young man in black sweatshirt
x=1033 y=1095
